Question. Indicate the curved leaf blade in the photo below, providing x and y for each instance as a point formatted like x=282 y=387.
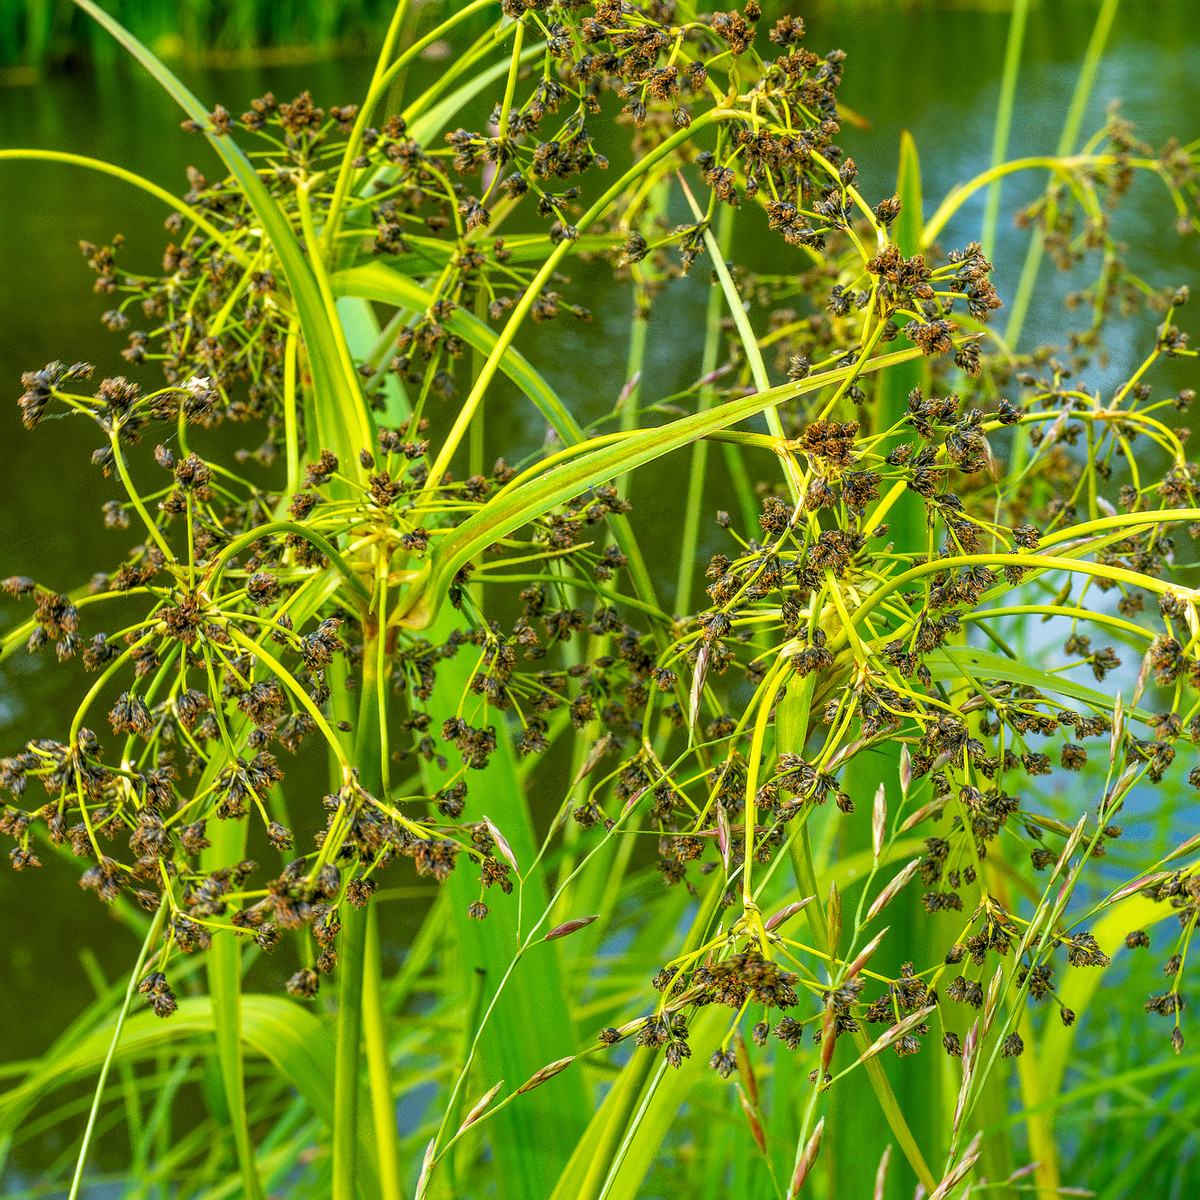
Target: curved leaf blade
x=289 y=1036
x=344 y=423
x=378 y=281
x=513 y=508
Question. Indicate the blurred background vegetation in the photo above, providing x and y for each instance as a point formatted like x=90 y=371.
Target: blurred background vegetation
x=40 y=35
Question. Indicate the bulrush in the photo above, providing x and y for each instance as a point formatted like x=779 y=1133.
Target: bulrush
x=937 y=553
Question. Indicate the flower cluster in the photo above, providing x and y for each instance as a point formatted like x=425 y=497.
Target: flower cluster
x=920 y=486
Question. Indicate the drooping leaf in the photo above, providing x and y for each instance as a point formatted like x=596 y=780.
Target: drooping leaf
x=950 y=661
x=513 y=507
x=280 y=1030
x=382 y=282
x=343 y=421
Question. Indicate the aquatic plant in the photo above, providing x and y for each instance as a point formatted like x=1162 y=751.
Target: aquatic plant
x=838 y=756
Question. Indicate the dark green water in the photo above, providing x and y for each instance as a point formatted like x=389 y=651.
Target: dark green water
x=934 y=72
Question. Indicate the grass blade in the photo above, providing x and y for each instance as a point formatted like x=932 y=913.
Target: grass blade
x=378 y=281
x=289 y=1036
x=512 y=508
x=530 y=1024
x=1066 y=144
x=113 y=1046
x=1004 y=111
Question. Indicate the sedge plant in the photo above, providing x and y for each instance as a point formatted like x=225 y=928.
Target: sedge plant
x=781 y=832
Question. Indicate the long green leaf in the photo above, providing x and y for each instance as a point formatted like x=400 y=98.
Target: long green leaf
x=1004 y=111
x=950 y=661
x=584 y=1174
x=379 y=281
x=1066 y=145
x=422 y=128
x=344 y=423
x=530 y=1025
x=511 y=509
x=280 y=1030
x=290 y=1037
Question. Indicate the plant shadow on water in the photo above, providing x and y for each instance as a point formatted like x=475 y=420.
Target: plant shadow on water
x=902 y=73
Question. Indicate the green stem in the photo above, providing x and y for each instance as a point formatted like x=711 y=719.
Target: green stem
x=289 y=681
x=361 y=123
x=806 y=879
x=1035 y=562
x=225 y=991
x=136 y=500
x=510 y=88
x=1059 y=164
x=1008 y=89
x=509 y=510
x=379 y=1066
x=1070 y=134
x=698 y=470
x=442 y=462
x=134 y=978
x=353 y=942
x=105 y=678
x=1087 y=76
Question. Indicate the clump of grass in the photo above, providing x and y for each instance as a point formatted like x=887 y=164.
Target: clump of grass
x=48 y=34
x=913 y=499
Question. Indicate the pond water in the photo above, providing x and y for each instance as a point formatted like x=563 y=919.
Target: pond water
x=934 y=71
